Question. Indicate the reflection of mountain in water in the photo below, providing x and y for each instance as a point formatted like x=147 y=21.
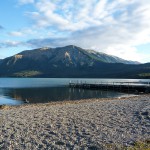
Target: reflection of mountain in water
x=42 y=95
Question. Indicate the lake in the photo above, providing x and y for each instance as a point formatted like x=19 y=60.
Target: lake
x=14 y=91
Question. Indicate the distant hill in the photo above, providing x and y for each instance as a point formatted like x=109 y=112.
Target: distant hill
x=70 y=61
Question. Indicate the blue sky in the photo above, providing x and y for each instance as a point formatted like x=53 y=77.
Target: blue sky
x=116 y=27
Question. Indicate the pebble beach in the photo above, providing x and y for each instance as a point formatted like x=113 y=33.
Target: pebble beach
x=76 y=125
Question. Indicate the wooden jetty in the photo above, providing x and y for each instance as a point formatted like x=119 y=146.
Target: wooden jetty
x=130 y=87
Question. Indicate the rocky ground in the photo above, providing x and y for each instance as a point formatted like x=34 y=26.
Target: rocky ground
x=88 y=124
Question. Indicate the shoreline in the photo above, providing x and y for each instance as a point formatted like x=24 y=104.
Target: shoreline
x=64 y=102
x=84 y=124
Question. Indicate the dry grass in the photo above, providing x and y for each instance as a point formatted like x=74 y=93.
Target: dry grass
x=4 y=107
x=139 y=145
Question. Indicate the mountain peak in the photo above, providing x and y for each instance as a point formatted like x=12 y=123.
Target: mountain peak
x=71 y=47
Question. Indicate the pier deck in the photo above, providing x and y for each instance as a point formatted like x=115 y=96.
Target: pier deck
x=136 y=87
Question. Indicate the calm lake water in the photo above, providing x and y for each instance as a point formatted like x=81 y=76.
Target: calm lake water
x=14 y=91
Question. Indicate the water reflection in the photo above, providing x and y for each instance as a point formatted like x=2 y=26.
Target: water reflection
x=47 y=94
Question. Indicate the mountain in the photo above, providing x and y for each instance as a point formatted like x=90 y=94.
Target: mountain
x=70 y=61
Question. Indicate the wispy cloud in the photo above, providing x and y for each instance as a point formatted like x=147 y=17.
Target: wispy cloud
x=10 y=43
x=23 y=2
x=16 y=33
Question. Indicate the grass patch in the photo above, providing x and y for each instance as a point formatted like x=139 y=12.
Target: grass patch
x=139 y=145
x=144 y=75
x=4 y=107
x=28 y=73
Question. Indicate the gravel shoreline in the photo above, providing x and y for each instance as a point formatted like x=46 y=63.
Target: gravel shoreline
x=88 y=124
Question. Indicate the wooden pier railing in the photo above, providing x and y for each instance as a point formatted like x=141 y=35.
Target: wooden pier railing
x=136 y=87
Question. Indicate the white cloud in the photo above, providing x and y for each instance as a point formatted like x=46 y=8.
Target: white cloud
x=122 y=51
x=10 y=43
x=65 y=16
x=22 y=2
x=16 y=33
x=77 y=15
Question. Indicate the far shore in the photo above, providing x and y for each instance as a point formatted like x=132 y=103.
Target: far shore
x=92 y=124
